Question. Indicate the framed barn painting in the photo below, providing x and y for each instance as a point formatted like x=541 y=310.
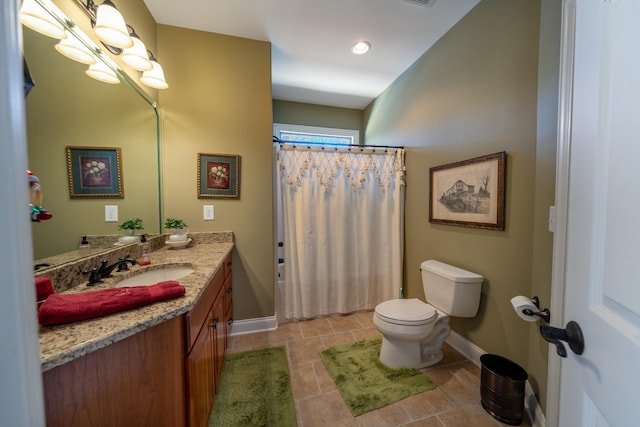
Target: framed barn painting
x=470 y=193
x=95 y=172
x=218 y=176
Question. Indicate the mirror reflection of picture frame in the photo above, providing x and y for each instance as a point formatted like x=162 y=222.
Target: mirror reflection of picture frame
x=470 y=193
x=95 y=172
x=218 y=176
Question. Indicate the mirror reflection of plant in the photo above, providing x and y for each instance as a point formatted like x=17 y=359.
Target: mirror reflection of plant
x=174 y=223
x=131 y=224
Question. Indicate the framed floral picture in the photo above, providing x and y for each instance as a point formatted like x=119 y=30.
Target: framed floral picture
x=95 y=172
x=218 y=176
x=470 y=193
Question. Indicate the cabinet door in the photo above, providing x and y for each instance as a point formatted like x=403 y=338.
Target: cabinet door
x=227 y=290
x=200 y=371
x=219 y=337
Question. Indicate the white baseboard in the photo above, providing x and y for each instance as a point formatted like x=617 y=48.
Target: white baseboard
x=473 y=353
x=251 y=326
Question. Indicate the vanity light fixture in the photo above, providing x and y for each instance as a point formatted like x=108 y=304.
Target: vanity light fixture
x=134 y=53
x=361 y=47
x=110 y=27
x=34 y=16
x=155 y=77
x=72 y=48
x=136 y=56
x=101 y=72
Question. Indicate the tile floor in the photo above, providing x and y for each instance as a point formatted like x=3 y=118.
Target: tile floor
x=455 y=402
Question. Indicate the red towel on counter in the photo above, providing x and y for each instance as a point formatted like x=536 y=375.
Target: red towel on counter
x=58 y=309
x=44 y=288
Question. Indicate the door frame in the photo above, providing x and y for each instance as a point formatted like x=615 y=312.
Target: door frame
x=22 y=400
x=565 y=110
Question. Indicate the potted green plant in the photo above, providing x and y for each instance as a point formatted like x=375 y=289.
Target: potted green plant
x=177 y=227
x=131 y=225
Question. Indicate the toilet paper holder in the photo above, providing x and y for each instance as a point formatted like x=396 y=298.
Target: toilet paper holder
x=543 y=314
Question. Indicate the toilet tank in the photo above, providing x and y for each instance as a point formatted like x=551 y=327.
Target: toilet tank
x=451 y=289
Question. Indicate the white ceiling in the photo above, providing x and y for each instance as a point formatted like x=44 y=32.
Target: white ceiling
x=311 y=40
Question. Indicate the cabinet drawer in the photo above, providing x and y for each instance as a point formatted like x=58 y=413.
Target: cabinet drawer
x=195 y=319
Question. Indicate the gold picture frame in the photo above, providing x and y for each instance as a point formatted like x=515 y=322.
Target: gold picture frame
x=470 y=193
x=95 y=172
x=218 y=176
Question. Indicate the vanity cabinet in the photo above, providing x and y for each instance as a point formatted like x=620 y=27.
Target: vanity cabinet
x=138 y=381
x=207 y=327
x=165 y=375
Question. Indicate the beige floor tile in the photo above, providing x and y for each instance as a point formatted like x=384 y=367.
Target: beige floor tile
x=337 y=338
x=425 y=422
x=250 y=342
x=467 y=415
x=450 y=355
x=325 y=410
x=390 y=416
x=303 y=380
x=315 y=327
x=458 y=384
x=304 y=350
x=285 y=332
x=325 y=382
x=344 y=323
x=426 y=404
x=361 y=334
x=365 y=318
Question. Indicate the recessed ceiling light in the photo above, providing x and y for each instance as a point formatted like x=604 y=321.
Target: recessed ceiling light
x=361 y=47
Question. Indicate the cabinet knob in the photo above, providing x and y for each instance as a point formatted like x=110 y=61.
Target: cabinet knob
x=214 y=325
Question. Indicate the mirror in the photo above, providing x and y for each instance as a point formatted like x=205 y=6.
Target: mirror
x=68 y=108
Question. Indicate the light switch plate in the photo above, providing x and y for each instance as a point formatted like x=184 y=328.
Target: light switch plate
x=110 y=213
x=208 y=212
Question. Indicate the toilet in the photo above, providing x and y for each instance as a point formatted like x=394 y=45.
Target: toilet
x=413 y=331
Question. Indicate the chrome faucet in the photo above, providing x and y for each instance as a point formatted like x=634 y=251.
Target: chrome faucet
x=106 y=269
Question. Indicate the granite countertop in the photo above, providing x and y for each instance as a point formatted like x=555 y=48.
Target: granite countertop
x=63 y=343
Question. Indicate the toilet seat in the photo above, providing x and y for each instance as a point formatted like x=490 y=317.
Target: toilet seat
x=409 y=312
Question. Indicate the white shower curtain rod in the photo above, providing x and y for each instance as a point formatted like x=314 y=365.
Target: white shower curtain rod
x=277 y=140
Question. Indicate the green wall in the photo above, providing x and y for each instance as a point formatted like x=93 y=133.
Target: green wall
x=219 y=102
x=475 y=92
x=298 y=113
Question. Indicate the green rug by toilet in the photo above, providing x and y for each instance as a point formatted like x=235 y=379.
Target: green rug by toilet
x=364 y=382
x=255 y=391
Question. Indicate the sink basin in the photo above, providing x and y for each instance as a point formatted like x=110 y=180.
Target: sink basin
x=152 y=277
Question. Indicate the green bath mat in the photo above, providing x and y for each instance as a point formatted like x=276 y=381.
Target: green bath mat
x=255 y=391
x=364 y=382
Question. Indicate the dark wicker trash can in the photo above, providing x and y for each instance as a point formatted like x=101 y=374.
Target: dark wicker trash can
x=502 y=388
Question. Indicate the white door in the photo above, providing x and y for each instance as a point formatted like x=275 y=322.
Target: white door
x=602 y=195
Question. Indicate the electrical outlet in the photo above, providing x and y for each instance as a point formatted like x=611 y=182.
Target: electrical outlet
x=208 y=212
x=111 y=213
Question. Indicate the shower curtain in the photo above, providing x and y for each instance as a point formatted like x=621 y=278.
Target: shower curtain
x=343 y=220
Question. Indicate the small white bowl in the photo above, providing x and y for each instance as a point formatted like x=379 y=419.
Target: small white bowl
x=177 y=244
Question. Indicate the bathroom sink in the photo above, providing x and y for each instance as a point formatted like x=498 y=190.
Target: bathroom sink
x=151 y=277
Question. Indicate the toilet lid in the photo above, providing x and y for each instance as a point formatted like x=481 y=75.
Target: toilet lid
x=406 y=311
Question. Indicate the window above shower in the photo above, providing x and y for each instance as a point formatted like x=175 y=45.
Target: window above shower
x=315 y=135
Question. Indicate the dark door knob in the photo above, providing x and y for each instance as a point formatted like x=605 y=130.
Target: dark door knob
x=572 y=335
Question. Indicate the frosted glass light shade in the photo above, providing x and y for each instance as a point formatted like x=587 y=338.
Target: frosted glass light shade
x=34 y=16
x=136 y=56
x=101 y=72
x=72 y=48
x=110 y=26
x=155 y=77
